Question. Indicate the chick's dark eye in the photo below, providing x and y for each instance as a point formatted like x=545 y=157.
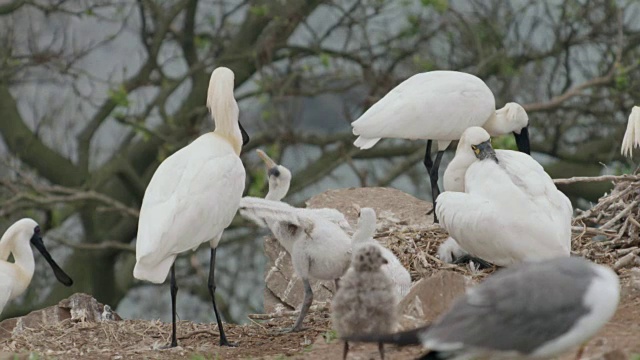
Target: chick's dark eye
x=37 y=230
x=474 y=148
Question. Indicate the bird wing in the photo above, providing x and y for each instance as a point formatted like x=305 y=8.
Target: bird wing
x=262 y=212
x=5 y=290
x=437 y=105
x=503 y=314
x=334 y=216
x=191 y=198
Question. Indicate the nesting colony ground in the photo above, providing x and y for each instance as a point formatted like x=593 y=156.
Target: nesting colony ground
x=73 y=329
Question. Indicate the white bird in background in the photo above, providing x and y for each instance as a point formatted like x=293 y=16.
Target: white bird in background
x=319 y=248
x=366 y=301
x=394 y=269
x=632 y=135
x=16 y=276
x=511 y=211
x=279 y=178
x=530 y=310
x=440 y=106
x=193 y=196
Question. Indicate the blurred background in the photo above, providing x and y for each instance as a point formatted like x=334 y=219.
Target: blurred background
x=94 y=94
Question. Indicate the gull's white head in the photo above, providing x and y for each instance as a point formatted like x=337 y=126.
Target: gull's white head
x=368 y=258
x=475 y=141
x=632 y=135
x=279 y=177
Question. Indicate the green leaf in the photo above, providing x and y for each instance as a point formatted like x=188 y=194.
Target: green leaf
x=324 y=58
x=119 y=96
x=440 y=6
x=329 y=336
x=504 y=142
x=259 y=10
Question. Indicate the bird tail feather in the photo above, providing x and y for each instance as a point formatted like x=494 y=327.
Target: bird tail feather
x=365 y=143
x=632 y=134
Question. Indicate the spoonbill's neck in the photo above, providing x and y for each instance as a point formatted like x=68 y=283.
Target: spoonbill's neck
x=277 y=193
x=366 y=230
x=17 y=243
x=453 y=178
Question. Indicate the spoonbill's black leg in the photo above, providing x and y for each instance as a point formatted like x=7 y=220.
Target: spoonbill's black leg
x=433 y=176
x=345 y=350
x=427 y=157
x=174 y=292
x=306 y=304
x=212 y=292
x=381 y=350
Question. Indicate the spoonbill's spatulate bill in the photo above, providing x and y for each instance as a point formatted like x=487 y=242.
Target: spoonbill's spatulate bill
x=193 y=196
x=16 y=276
x=279 y=178
x=439 y=105
x=393 y=269
x=632 y=135
x=510 y=210
x=530 y=310
x=366 y=300
x=319 y=248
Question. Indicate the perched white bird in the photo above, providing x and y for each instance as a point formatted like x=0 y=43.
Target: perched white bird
x=632 y=135
x=510 y=210
x=319 y=248
x=394 y=269
x=530 y=310
x=439 y=105
x=16 y=276
x=193 y=195
x=279 y=178
x=366 y=301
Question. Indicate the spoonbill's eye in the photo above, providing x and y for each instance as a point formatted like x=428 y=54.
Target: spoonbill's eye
x=37 y=230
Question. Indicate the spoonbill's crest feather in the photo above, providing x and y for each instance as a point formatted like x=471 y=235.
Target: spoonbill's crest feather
x=191 y=198
x=436 y=105
x=632 y=135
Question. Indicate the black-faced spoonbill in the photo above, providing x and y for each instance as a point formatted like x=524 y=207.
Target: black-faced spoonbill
x=16 y=276
x=510 y=210
x=319 y=248
x=193 y=196
x=439 y=106
x=529 y=310
x=363 y=236
x=632 y=134
x=366 y=300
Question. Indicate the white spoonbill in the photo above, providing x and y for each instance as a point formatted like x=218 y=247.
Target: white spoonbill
x=632 y=135
x=16 y=276
x=393 y=268
x=530 y=310
x=511 y=211
x=319 y=248
x=366 y=301
x=279 y=178
x=440 y=106
x=193 y=196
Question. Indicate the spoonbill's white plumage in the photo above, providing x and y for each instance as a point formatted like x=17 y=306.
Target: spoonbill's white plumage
x=529 y=310
x=16 y=276
x=510 y=210
x=440 y=106
x=366 y=300
x=279 y=178
x=632 y=135
x=319 y=248
x=193 y=195
x=363 y=236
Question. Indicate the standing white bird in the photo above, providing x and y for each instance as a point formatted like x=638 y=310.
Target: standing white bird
x=440 y=106
x=319 y=248
x=16 y=276
x=394 y=269
x=510 y=210
x=193 y=196
x=632 y=135
x=365 y=302
x=530 y=310
x=279 y=178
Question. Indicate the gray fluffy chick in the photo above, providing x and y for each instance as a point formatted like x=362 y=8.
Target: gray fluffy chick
x=365 y=301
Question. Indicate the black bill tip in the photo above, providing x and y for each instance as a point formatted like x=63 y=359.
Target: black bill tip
x=36 y=240
x=245 y=135
x=522 y=140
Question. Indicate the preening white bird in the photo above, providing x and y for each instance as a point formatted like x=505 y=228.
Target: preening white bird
x=510 y=210
x=393 y=269
x=279 y=178
x=632 y=135
x=439 y=106
x=530 y=310
x=366 y=301
x=16 y=276
x=193 y=196
x=319 y=248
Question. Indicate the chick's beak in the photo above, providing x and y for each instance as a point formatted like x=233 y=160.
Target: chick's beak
x=268 y=162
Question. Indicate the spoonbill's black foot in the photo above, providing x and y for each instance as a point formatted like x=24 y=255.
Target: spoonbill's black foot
x=227 y=343
x=169 y=346
x=464 y=259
